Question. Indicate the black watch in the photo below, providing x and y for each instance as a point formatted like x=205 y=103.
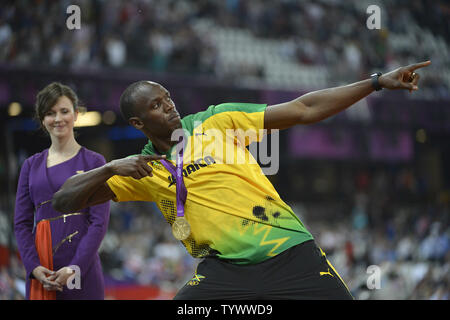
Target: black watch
x=375 y=84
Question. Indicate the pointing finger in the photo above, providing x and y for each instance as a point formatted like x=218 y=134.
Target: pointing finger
x=415 y=66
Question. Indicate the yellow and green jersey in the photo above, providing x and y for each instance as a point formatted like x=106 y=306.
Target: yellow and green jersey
x=234 y=211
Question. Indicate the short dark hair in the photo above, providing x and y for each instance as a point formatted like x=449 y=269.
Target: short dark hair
x=128 y=99
x=47 y=98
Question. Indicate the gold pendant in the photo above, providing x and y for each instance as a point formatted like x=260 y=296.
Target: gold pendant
x=181 y=228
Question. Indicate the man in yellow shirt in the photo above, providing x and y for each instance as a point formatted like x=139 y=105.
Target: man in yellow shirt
x=206 y=183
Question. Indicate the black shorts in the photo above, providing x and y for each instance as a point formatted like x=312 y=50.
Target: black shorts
x=301 y=272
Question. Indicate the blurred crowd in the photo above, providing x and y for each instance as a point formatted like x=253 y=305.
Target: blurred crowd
x=394 y=218
x=410 y=249
x=161 y=36
x=139 y=248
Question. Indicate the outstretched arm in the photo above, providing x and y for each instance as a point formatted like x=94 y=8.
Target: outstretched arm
x=89 y=188
x=318 y=105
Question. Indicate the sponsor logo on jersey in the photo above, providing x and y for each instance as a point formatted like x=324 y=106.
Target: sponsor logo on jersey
x=197 y=165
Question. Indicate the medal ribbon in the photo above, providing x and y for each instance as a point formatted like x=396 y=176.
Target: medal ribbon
x=177 y=172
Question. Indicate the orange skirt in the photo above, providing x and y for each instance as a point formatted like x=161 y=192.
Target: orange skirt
x=44 y=248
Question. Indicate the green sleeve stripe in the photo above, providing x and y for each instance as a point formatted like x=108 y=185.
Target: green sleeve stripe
x=190 y=120
x=242 y=107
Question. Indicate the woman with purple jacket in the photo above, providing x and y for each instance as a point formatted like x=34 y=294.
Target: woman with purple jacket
x=57 y=247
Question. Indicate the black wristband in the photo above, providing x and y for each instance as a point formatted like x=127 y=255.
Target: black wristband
x=375 y=84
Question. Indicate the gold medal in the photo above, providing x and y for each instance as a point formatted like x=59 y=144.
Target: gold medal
x=181 y=228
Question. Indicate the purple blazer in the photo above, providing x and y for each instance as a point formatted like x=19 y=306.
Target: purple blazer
x=36 y=186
